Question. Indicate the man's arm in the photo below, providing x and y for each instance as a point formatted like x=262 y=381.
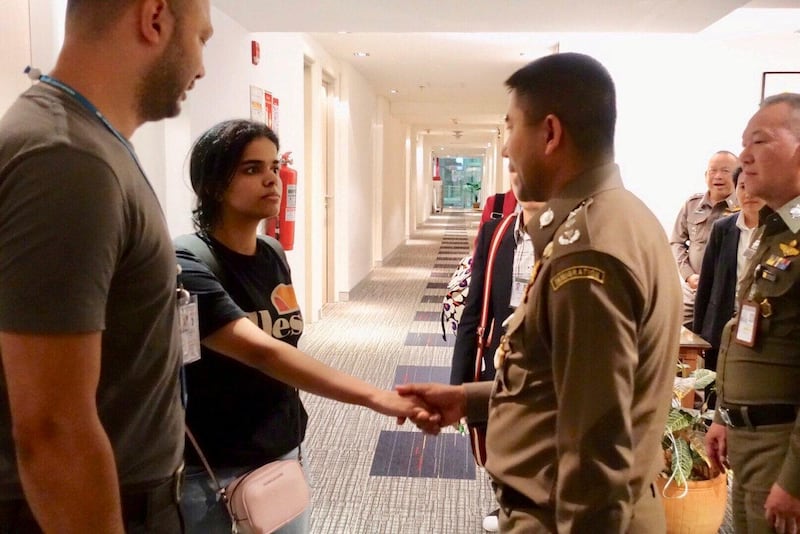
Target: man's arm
x=64 y=457
x=677 y=242
x=595 y=358
x=783 y=501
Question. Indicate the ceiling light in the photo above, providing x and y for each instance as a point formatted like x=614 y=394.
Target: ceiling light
x=394 y=91
x=361 y=54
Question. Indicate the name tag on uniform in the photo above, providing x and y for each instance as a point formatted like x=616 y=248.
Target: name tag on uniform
x=517 y=292
x=748 y=324
x=190 y=327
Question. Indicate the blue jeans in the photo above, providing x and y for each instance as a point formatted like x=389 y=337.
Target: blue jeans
x=204 y=513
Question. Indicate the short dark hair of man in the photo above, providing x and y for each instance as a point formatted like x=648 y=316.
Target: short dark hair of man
x=578 y=90
x=94 y=17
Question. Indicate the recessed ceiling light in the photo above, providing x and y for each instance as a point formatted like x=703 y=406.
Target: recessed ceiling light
x=394 y=91
x=361 y=54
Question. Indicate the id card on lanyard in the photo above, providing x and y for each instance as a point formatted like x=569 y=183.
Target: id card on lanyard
x=190 y=326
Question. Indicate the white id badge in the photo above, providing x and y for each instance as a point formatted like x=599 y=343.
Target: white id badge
x=517 y=292
x=748 y=324
x=190 y=329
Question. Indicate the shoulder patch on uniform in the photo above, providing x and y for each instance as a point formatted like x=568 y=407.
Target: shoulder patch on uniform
x=579 y=272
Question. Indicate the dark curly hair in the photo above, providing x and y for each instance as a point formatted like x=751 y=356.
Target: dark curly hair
x=213 y=161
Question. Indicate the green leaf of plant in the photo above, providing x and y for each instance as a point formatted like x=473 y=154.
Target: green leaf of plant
x=677 y=421
x=703 y=378
x=697 y=443
x=681 y=461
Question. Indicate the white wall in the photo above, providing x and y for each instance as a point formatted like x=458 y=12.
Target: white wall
x=680 y=99
x=355 y=184
x=16 y=50
x=394 y=185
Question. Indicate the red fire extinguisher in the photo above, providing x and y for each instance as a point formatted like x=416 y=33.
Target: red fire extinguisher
x=283 y=227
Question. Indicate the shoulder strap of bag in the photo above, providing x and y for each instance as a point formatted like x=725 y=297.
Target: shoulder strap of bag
x=203 y=459
x=497 y=206
x=499 y=200
x=494 y=245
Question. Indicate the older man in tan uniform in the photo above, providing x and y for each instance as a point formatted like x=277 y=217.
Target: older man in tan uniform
x=695 y=219
x=585 y=371
x=757 y=424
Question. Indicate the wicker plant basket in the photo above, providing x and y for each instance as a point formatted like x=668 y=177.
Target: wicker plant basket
x=700 y=511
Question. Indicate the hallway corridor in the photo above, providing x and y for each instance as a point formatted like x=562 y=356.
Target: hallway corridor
x=370 y=476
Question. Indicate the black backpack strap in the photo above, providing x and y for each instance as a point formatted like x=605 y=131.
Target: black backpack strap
x=277 y=247
x=497 y=206
x=200 y=246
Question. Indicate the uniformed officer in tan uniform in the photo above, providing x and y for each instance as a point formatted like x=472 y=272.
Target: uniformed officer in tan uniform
x=585 y=372
x=694 y=222
x=757 y=428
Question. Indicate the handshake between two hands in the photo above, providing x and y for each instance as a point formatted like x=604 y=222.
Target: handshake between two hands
x=430 y=406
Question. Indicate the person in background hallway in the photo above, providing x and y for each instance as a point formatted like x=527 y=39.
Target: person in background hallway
x=724 y=265
x=694 y=221
x=510 y=275
x=242 y=406
x=584 y=372
x=91 y=423
x=757 y=424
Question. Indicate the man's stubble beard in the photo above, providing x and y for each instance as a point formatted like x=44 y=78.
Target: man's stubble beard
x=161 y=88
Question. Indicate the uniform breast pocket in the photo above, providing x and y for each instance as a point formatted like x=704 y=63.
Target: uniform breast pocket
x=778 y=293
x=696 y=226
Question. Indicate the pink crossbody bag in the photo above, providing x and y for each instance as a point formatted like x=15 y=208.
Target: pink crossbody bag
x=264 y=499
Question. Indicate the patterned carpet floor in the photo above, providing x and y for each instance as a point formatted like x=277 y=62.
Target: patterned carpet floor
x=368 y=475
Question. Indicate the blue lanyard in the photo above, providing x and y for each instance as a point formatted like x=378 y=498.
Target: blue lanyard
x=83 y=101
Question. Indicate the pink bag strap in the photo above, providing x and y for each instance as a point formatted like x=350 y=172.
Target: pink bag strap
x=206 y=465
x=494 y=245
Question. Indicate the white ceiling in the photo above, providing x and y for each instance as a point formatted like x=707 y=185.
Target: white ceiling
x=447 y=59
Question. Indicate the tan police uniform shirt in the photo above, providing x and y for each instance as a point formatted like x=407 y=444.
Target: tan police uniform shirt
x=693 y=227
x=579 y=404
x=769 y=371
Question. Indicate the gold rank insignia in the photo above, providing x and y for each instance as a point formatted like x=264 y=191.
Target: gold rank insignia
x=501 y=352
x=790 y=248
x=766 y=308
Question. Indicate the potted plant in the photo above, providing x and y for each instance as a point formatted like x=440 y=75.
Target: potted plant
x=474 y=187
x=693 y=491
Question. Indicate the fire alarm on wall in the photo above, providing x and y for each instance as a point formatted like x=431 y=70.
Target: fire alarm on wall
x=255 y=52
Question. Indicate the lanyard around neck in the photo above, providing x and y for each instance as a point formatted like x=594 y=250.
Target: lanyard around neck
x=83 y=101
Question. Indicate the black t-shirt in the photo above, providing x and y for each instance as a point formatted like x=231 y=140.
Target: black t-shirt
x=239 y=415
